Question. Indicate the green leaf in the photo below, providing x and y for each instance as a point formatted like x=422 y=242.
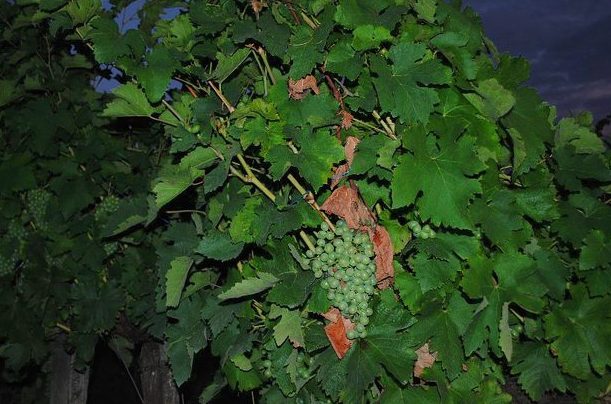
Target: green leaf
x=536 y=369
x=579 y=329
x=595 y=252
x=441 y=171
x=219 y=246
x=156 y=76
x=108 y=45
x=400 y=89
x=492 y=100
x=129 y=101
x=250 y=286
x=505 y=341
x=175 y=279
x=369 y=36
x=229 y=64
x=289 y=326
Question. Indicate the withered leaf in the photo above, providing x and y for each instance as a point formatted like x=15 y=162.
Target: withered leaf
x=336 y=331
x=298 y=89
x=425 y=359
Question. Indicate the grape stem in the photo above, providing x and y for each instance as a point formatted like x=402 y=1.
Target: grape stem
x=306 y=239
x=309 y=197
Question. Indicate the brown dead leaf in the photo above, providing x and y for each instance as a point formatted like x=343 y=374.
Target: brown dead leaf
x=346 y=119
x=346 y=203
x=298 y=89
x=257 y=6
x=425 y=359
x=336 y=331
x=349 y=151
x=382 y=245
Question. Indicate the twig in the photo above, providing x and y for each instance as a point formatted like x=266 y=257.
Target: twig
x=219 y=94
x=306 y=239
x=309 y=198
x=263 y=71
x=173 y=111
x=368 y=125
x=263 y=55
x=251 y=178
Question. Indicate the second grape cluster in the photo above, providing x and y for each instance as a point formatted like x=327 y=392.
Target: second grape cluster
x=345 y=259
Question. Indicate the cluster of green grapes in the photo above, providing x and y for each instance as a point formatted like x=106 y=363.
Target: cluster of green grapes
x=423 y=232
x=345 y=258
x=107 y=207
x=7 y=265
x=37 y=203
x=111 y=248
x=16 y=231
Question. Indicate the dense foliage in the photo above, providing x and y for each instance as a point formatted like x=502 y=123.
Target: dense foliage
x=304 y=148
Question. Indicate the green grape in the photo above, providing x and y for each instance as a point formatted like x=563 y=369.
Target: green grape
x=363 y=334
x=267 y=363
x=369 y=289
x=359 y=289
x=343 y=262
x=416 y=229
x=352 y=309
x=321 y=242
x=319 y=250
x=316 y=263
x=364 y=320
x=318 y=274
x=310 y=254
x=332 y=256
x=330 y=236
x=343 y=306
x=324 y=226
x=363 y=305
x=432 y=234
x=360 y=328
x=412 y=224
x=352 y=334
x=329 y=248
x=111 y=248
x=334 y=283
x=324 y=257
x=337 y=242
x=426 y=228
x=373 y=281
x=423 y=235
x=331 y=295
x=267 y=373
x=304 y=373
x=369 y=311
x=324 y=284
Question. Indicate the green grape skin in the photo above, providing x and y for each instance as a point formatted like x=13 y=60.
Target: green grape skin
x=267 y=363
x=324 y=284
x=426 y=228
x=333 y=283
x=416 y=229
x=316 y=263
x=352 y=309
x=310 y=254
x=267 y=373
x=412 y=224
x=423 y=235
x=324 y=226
x=324 y=257
x=321 y=242
x=319 y=250
x=332 y=256
x=373 y=282
x=343 y=306
x=360 y=328
x=331 y=295
x=369 y=311
x=318 y=274
x=329 y=248
x=363 y=334
x=364 y=320
x=330 y=236
x=352 y=334
x=337 y=242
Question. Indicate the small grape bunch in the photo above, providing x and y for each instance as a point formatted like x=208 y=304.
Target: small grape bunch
x=107 y=207
x=7 y=265
x=345 y=261
x=37 y=203
x=111 y=248
x=422 y=232
x=303 y=366
x=16 y=231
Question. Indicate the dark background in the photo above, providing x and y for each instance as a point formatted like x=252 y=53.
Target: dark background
x=568 y=43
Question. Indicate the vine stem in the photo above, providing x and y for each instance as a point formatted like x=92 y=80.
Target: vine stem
x=309 y=197
x=173 y=111
x=368 y=125
x=306 y=240
x=219 y=94
x=250 y=177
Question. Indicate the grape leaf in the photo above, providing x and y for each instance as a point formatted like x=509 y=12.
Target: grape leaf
x=537 y=370
x=439 y=170
x=219 y=246
x=250 y=286
x=129 y=101
x=289 y=326
x=175 y=279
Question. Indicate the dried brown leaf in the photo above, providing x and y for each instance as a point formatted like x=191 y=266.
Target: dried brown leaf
x=346 y=119
x=346 y=203
x=382 y=245
x=298 y=89
x=425 y=359
x=349 y=151
x=336 y=331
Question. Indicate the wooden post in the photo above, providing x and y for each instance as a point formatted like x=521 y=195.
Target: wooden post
x=68 y=386
x=158 y=386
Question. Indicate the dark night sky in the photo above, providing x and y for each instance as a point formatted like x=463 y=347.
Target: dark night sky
x=568 y=43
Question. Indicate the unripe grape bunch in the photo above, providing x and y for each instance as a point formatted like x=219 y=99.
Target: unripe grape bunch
x=106 y=208
x=37 y=203
x=344 y=259
x=419 y=231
